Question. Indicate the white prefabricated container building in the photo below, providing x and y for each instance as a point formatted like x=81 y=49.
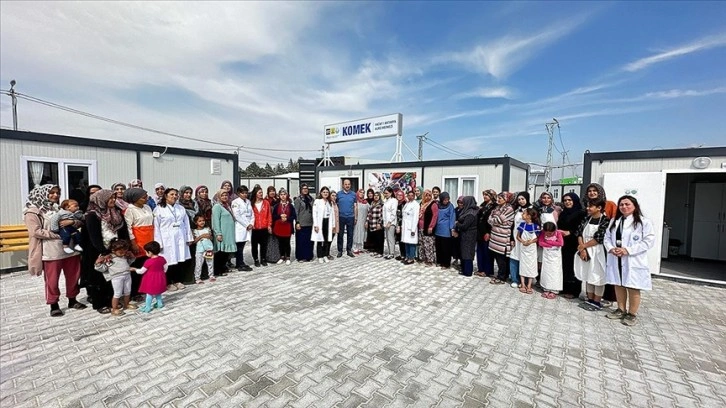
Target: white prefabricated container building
x=683 y=191
x=457 y=177
x=72 y=162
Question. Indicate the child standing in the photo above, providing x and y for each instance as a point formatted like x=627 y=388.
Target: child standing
x=527 y=232
x=117 y=266
x=551 y=242
x=205 y=249
x=69 y=234
x=154 y=276
x=590 y=259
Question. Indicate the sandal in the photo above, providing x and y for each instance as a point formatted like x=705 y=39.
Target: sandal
x=78 y=306
x=551 y=295
x=530 y=291
x=522 y=290
x=493 y=281
x=104 y=310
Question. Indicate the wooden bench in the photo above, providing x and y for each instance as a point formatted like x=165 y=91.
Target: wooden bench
x=13 y=238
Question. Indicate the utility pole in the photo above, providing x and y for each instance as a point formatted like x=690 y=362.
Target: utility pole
x=421 y=139
x=562 y=171
x=15 y=104
x=550 y=126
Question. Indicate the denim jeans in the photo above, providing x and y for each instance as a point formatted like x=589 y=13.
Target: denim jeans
x=347 y=224
x=410 y=251
x=514 y=270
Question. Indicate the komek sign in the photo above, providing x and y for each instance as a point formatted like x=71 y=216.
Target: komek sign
x=369 y=128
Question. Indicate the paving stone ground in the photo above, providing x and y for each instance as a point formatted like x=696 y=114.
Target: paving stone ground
x=362 y=332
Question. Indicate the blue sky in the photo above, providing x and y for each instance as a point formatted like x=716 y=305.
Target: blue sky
x=481 y=77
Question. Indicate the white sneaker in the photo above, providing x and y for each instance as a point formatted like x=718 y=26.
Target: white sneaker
x=280 y=262
x=67 y=250
x=320 y=260
x=287 y=262
x=325 y=260
x=514 y=285
x=78 y=248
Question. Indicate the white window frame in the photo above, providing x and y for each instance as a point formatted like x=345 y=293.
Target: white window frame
x=62 y=173
x=460 y=184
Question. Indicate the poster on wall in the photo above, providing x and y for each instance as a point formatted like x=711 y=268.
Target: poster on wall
x=405 y=181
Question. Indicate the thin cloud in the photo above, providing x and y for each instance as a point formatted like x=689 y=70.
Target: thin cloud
x=701 y=44
x=502 y=57
x=501 y=92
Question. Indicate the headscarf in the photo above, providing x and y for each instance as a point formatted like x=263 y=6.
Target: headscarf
x=492 y=196
x=546 y=209
x=361 y=200
x=226 y=206
x=159 y=198
x=576 y=205
x=600 y=193
x=306 y=198
x=120 y=202
x=507 y=196
x=424 y=202
x=203 y=205
x=98 y=205
x=231 y=186
x=470 y=207
x=526 y=197
x=135 y=183
x=38 y=197
x=187 y=204
x=134 y=194
x=442 y=196
x=370 y=200
x=400 y=196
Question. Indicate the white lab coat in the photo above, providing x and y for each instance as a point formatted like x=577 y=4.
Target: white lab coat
x=318 y=215
x=243 y=217
x=409 y=223
x=172 y=232
x=638 y=240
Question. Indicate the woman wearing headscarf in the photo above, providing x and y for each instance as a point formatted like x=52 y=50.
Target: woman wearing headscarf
x=119 y=189
x=104 y=222
x=374 y=225
x=484 y=260
x=136 y=183
x=445 y=223
x=466 y=230
x=370 y=199
x=361 y=215
x=409 y=228
x=223 y=227
x=594 y=191
x=568 y=223
x=83 y=206
x=173 y=232
x=520 y=205
x=304 y=226
x=139 y=219
x=456 y=244
x=186 y=201
x=202 y=203
x=548 y=211
x=159 y=189
x=427 y=216
x=501 y=219
x=45 y=248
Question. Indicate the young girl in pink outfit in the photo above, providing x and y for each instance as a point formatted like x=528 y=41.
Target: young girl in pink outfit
x=551 y=242
x=153 y=282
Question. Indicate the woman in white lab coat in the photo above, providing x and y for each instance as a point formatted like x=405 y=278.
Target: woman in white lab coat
x=409 y=227
x=627 y=241
x=324 y=222
x=173 y=233
x=244 y=221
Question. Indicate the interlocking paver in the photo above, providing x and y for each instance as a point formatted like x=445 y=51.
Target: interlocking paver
x=362 y=332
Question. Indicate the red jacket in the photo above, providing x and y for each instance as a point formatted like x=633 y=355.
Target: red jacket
x=263 y=218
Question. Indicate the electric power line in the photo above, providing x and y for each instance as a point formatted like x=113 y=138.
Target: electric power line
x=439 y=146
x=143 y=128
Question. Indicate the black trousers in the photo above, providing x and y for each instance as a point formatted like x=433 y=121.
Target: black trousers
x=323 y=248
x=284 y=247
x=135 y=277
x=502 y=266
x=99 y=290
x=174 y=274
x=220 y=262
x=259 y=242
x=376 y=238
x=443 y=250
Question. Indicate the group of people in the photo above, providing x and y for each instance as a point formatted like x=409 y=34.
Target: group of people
x=122 y=244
